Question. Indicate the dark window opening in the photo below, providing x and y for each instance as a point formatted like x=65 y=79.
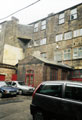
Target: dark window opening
x=51 y=90
x=74 y=93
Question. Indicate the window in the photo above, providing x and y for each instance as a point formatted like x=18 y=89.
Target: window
x=43 y=55
x=77 y=52
x=43 y=41
x=77 y=33
x=43 y=25
x=59 y=37
x=68 y=35
x=73 y=92
x=73 y=14
x=36 y=27
x=58 y=56
x=67 y=54
x=14 y=84
x=77 y=74
x=36 y=42
x=51 y=90
x=61 y=18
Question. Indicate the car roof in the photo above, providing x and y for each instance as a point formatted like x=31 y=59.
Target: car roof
x=17 y=81
x=61 y=82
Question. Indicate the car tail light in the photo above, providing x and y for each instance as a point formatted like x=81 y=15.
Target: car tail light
x=36 y=90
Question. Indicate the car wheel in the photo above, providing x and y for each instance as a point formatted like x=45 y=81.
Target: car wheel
x=38 y=116
x=1 y=95
x=20 y=92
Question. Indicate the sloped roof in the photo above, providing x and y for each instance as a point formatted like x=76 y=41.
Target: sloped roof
x=53 y=62
x=39 y=60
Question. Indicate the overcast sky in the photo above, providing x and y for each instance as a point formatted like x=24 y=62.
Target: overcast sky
x=35 y=12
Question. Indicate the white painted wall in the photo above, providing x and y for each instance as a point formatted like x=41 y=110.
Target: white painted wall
x=12 y=54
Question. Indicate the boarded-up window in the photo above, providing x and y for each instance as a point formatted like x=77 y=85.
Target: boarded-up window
x=58 y=56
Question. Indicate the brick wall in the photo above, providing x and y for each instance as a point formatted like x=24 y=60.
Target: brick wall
x=8 y=73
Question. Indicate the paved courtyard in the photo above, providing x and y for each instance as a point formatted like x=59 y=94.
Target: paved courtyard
x=15 y=108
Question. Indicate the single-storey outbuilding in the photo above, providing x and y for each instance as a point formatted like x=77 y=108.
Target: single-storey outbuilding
x=34 y=70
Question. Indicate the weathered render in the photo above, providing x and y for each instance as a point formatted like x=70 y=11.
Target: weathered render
x=13 y=39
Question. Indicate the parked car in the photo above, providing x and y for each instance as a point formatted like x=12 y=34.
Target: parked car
x=9 y=83
x=6 y=90
x=57 y=100
x=23 y=89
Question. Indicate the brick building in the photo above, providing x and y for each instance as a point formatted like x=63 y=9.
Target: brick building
x=33 y=70
x=58 y=38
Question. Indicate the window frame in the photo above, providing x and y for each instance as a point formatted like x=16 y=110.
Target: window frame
x=36 y=43
x=67 y=52
x=36 y=27
x=68 y=35
x=77 y=53
x=59 y=37
x=73 y=15
x=61 y=18
x=43 y=41
x=58 y=56
x=43 y=25
x=73 y=92
x=47 y=92
x=77 y=33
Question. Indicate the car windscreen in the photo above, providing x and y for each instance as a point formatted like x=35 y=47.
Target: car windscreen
x=21 y=83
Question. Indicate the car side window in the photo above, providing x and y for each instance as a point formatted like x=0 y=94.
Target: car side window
x=14 y=84
x=72 y=92
x=51 y=90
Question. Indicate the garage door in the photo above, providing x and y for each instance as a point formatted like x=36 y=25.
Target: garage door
x=2 y=77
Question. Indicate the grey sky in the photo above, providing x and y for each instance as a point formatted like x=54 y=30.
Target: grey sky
x=35 y=12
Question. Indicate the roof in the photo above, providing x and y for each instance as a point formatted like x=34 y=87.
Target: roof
x=36 y=59
x=3 y=65
x=62 y=82
x=53 y=62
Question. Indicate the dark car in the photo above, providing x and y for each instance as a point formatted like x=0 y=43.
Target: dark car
x=57 y=100
x=6 y=90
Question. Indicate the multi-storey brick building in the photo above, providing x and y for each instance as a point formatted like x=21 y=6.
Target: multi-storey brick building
x=58 y=38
